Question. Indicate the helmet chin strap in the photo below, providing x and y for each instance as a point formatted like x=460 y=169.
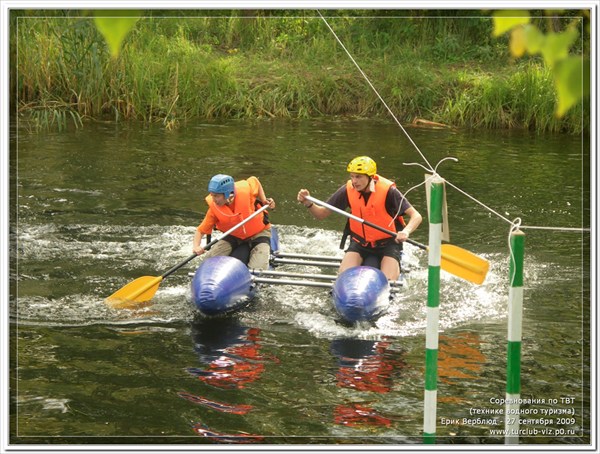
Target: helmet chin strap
x=371 y=184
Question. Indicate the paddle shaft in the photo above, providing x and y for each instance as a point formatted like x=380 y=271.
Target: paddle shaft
x=455 y=260
x=362 y=221
x=213 y=242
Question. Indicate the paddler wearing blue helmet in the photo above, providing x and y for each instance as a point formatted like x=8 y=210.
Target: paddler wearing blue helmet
x=230 y=202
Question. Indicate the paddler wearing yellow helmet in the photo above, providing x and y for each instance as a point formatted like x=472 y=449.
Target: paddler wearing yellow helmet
x=373 y=198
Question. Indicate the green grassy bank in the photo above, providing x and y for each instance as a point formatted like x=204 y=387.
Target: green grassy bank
x=176 y=67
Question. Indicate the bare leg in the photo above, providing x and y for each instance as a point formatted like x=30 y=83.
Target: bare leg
x=350 y=260
x=390 y=267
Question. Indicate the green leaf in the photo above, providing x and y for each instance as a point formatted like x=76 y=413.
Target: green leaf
x=114 y=25
x=571 y=78
x=506 y=20
x=534 y=39
x=517 y=43
x=556 y=46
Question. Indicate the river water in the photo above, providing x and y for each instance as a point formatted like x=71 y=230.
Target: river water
x=94 y=209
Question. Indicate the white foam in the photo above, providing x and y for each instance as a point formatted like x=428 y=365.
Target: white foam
x=96 y=260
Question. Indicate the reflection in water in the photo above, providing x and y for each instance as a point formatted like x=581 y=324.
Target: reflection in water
x=356 y=415
x=364 y=365
x=219 y=406
x=459 y=358
x=204 y=431
x=232 y=353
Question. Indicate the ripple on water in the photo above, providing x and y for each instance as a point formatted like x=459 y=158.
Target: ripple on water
x=102 y=258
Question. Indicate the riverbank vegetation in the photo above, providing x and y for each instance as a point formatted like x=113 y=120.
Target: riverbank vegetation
x=179 y=66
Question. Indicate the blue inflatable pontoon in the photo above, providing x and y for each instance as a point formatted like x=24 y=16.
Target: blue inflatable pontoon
x=225 y=284
x=361 y=294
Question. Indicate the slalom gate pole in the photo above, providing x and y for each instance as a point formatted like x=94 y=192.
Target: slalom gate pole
x=433 y=302
x=515 y=317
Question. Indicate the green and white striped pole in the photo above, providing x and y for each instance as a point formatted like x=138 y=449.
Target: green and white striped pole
x=515 y=317
x=433 y=302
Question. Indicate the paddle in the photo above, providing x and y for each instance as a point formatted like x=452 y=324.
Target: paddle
x=455 y=260
x=143 y=288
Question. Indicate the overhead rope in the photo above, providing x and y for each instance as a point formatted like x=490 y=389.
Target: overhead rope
x=429 y=167
x=561 y=229
x=376 y=92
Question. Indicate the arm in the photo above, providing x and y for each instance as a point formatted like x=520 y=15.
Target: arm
x=317 y=211
x=397 y=204
x=198 y=250
x=413 y=223
x=205 y=228
x=260 y=193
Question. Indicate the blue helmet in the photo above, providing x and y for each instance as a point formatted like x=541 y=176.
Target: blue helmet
x=221 y=184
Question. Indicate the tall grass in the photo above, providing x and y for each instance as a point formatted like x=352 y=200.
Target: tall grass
x=60 y=71
x=245 y=65
x=522 y=99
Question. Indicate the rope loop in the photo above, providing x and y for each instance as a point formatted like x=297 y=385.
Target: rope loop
x=515 y=225
x=427 y=169
x=448 y=158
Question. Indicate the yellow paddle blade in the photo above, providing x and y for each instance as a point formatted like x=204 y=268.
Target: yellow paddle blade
x=135 y=294
x=464 y=264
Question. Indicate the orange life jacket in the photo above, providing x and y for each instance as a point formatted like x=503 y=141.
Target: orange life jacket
x=243 y=205
x=373 y=211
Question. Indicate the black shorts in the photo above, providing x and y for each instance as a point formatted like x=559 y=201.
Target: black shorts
x=236 y=242
x=384 y=249
x=240 y=249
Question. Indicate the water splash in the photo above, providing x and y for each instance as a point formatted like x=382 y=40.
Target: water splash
x=65 y=272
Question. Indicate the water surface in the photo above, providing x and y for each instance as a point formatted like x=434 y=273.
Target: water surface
x=96 y=208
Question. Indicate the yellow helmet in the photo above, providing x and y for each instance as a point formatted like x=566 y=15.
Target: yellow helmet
x=362 y=164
